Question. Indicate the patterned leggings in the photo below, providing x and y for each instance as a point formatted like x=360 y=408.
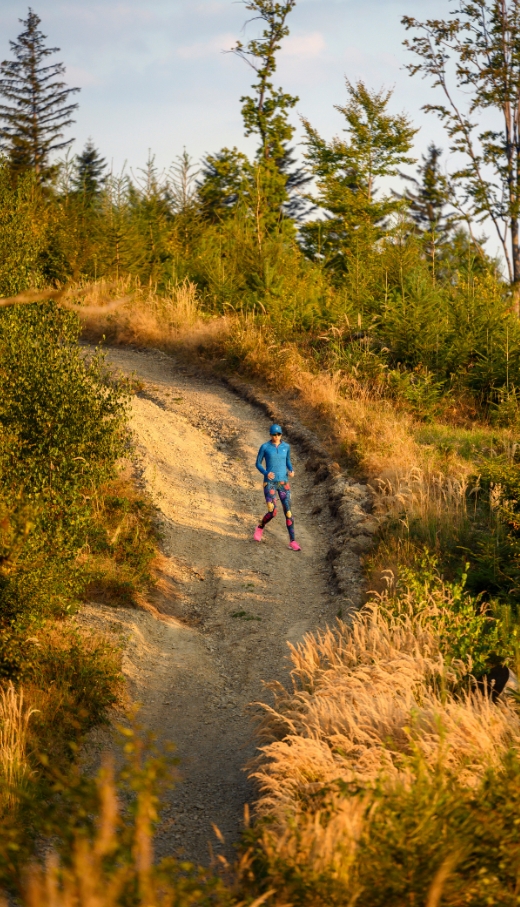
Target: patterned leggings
x=284 y=493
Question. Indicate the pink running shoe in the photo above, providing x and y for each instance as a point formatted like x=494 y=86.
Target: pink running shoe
x=258 y=534
x=294 y=546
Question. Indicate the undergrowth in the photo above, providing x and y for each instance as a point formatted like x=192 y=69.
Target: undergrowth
x=72 y=527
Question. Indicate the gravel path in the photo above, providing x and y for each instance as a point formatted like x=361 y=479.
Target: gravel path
x=227 y=605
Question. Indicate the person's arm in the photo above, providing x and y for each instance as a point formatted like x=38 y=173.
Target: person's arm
x=290 y=469
x=260 y=457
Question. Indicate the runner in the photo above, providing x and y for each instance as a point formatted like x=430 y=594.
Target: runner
x=278 y=468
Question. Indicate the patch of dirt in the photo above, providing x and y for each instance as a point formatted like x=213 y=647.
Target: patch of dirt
x=227 y=606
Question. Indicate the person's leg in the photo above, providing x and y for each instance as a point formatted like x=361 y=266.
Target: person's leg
x=284 y=492
x=270 y=500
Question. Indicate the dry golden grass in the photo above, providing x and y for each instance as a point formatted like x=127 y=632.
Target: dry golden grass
x=364 y=696
x=168 y=321
x=86 y=882
x=14 y=724
x=372 y=704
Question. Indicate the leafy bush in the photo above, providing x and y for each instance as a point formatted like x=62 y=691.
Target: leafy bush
x=469 y=630
x=63 y=418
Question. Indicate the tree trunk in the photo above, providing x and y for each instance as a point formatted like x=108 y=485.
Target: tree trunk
x=515 y=248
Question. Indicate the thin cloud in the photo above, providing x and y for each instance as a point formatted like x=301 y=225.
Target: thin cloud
x=79 y=77
x=201 y=49
x=311 y=45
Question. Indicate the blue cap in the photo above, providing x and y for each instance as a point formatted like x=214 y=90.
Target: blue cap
x=275 y=430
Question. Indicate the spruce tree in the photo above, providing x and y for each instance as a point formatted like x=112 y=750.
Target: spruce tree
x=271 y=186
x=149 y=210
x=348 y=171
x=90 y=176
x=36 y=107
x=429 y=197
x=224 y=181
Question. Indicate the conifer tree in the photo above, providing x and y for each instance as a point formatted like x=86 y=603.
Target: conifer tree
x=271 y=186
x=224 y=180
x=149 y=210
x=36 y=107
x=182 y=184
x=347 y=174
x=428 y=200
x=90 y=175
x=429 y=197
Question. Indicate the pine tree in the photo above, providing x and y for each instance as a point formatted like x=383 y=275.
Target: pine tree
x=347 y=172
x=36 y=108
x=149 y=208
x=90 y=175
x=182 y=184
x=429 y=197
x=225 y=177
x=271 y=186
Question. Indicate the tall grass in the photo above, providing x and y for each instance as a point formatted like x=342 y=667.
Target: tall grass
x=375 y=765
x=14 y=765
x=115 y=866
x=365 y=695
x=167 y=320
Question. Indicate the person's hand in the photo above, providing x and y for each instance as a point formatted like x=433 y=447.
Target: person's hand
x=270 y=475
x=291 y=474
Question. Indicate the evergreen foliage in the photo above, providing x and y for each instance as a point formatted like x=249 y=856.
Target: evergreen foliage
x=224 y=182
x=36 y=108
x=428 y=199
x=270 y=188
x=265 y=113
x=347 y=172
x=90 y=175
x=430 y=195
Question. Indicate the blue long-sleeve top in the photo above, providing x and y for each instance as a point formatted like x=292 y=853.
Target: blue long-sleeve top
x=277 y=460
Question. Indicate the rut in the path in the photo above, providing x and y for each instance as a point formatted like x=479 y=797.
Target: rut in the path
x=230 y=604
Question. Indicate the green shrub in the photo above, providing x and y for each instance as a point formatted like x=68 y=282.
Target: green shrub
x=62 y=416
x=475 y=632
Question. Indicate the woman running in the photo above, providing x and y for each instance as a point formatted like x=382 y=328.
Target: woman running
x=276 y=454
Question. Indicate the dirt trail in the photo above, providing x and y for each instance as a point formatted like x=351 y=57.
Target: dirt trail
x=229 y=605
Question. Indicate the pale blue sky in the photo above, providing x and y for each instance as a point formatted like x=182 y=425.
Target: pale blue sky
x=153 y=75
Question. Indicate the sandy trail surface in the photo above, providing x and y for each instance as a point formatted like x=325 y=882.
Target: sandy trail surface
x=226 y=606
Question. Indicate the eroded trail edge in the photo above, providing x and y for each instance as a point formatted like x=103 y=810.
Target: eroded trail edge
x=227 y=606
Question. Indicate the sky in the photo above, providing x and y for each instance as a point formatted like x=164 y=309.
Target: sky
x=154 y=75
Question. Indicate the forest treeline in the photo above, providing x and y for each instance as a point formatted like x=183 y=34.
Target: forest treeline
x=385 y=320
x=401 y=283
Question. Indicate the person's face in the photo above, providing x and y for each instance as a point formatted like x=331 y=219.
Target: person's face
x=276 y=439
